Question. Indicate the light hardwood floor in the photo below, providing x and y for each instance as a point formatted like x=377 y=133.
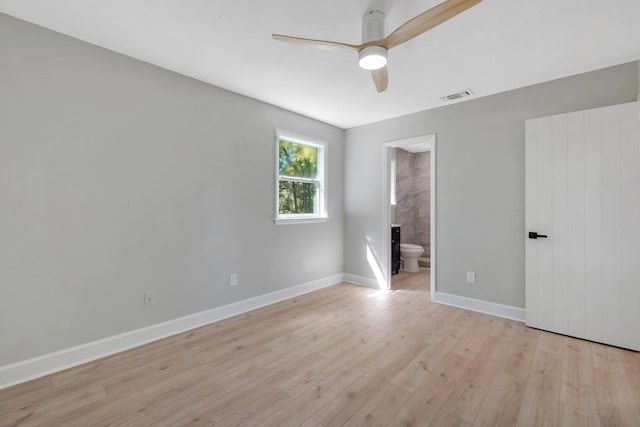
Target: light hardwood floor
x=345 y=355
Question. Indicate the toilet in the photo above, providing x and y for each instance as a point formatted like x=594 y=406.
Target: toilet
x=410 y=253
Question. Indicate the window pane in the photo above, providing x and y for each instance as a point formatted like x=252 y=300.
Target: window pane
x=297 y=197
x=298 y=160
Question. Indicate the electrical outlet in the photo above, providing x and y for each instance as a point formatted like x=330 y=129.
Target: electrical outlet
x=233 y=279
x=149 y=298
x=471 y=277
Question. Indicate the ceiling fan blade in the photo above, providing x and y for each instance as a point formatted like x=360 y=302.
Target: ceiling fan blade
x=380 y=78
x=318 y=44
x=426 y=21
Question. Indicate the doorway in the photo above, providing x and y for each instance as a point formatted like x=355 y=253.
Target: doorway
x=415 y=144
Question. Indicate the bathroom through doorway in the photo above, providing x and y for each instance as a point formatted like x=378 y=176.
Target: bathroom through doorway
x=409 y=204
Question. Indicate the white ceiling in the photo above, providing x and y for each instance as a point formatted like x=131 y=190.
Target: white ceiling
x=495 y=46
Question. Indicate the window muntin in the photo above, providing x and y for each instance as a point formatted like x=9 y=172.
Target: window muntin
x=300 y=178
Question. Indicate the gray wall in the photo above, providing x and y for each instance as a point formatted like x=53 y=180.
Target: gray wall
x=118 y=177
x=479 y=178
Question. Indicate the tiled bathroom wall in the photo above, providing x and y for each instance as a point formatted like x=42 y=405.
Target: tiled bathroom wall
x=413 y=197
x=404 y=195
x=422 y=200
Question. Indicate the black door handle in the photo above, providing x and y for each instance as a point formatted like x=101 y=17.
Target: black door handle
x=534 y=235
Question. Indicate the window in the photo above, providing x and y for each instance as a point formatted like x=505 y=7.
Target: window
x=300 y=186
x=392 y=186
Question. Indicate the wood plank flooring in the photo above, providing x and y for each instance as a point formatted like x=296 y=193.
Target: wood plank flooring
x=345 y=356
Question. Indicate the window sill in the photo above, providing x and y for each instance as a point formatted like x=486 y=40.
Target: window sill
x=291 y=221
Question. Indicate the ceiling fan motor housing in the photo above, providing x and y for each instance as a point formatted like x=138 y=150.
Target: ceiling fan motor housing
x=372 y=57
x=372 y=26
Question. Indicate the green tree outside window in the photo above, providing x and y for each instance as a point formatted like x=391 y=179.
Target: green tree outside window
x=298 y=173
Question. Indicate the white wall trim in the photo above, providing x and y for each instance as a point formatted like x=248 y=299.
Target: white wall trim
x=500 y=310
x=354 y=279
x=36 y=367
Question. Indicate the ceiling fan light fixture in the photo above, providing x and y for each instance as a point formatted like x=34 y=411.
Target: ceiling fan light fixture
x=372 y=58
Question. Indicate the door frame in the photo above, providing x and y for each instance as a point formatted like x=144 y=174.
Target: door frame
x=386 y=205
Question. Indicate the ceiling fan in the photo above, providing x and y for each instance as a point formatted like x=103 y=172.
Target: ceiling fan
x=372 y=53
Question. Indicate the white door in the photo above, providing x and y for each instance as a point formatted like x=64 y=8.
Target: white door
x=583 y=193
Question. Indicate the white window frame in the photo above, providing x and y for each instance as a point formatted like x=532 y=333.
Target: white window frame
x=321 y=209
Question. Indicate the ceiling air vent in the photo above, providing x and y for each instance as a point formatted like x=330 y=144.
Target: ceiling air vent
x=457 y=95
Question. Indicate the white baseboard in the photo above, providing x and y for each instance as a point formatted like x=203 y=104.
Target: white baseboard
x=361 y=280
x=36 y=367
x=500 y=310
